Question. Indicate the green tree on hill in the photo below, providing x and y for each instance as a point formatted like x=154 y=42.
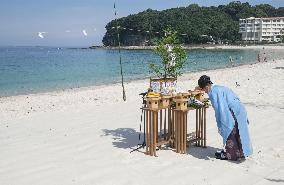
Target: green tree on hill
x=193 y=23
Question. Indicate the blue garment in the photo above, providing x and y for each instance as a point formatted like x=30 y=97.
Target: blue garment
x=223 y=100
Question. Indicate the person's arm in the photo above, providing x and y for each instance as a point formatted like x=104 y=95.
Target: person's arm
x=218 y=103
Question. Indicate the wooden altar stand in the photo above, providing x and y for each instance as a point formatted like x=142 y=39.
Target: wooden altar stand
x=180 y=134
x=200 y=127
x=168 y=126
x=158 y=128
x=181 y=139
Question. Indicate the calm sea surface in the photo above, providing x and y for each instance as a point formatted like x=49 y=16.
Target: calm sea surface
x=38 y=69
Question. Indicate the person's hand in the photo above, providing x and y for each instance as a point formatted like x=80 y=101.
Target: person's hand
x=198 y=88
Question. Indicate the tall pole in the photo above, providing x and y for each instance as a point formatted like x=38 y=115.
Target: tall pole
x=120 y=62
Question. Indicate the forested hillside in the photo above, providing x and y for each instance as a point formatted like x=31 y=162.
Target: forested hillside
x=194 y=24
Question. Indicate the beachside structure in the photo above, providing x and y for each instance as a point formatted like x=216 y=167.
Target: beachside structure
x=269 y=29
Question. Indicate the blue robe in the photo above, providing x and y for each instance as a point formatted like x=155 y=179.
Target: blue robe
x=223 y=100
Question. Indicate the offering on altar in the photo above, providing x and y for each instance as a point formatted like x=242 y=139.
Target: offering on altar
x=165 y=86
x=165 y=101
x=200 y=97
x=153 y=102
x=197 y=99
x=181 y=102
x=194 y=103
x=186 y=95
x=153 y=94
x=197 y=94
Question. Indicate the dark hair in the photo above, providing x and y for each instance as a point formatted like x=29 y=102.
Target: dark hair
x=204 y=81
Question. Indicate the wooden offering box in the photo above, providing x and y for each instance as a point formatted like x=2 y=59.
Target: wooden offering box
x=200 y=97
x=186 y=95
x=181 y=103
x=165 y=102
x=153 y=102
x=198 y=94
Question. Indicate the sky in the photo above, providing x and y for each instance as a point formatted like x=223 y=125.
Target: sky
x=77 y=22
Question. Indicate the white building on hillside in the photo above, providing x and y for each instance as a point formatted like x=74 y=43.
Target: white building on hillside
x=262 y=29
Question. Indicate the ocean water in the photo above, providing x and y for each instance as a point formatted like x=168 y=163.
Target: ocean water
x=25 y=70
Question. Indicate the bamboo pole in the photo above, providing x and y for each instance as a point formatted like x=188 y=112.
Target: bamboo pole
x=181 y=131
x=119 y=51
x=198 y=134
x=185 y=131
x=196 y=127
x=173 y=127
x=172 y=124
x=151 y=132
x=205 y=127
x=161 y=126
x=165 y=125
x=169 y=123
x=157 y=127
x=199 y=128
x=201 y=125
x=144 y=124
x=147 y=132
x=156 y=132
x=176 y=130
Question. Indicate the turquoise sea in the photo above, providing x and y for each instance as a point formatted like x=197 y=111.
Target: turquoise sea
x=25 y=70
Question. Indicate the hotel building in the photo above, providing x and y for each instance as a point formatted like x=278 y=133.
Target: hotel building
x=262 y=29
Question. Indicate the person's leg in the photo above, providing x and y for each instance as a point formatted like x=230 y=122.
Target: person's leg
x=239 y=152
x=233 y=146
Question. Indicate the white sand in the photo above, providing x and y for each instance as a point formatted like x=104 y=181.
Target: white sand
x=84 y=136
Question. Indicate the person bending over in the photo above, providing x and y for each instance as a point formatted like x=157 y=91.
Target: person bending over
x=231 y=118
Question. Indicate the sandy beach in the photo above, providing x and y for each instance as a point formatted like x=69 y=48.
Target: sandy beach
x=84 y=136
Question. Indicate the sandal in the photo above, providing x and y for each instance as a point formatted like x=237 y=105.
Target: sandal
x=218 y=153
x=221 y=155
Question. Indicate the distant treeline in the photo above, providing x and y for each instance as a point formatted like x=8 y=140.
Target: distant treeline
x=195 y=24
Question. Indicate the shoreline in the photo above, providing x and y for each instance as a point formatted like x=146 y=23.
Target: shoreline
x=24 y=105
x=116 y=83
x=269 y=49
x=191 y=47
